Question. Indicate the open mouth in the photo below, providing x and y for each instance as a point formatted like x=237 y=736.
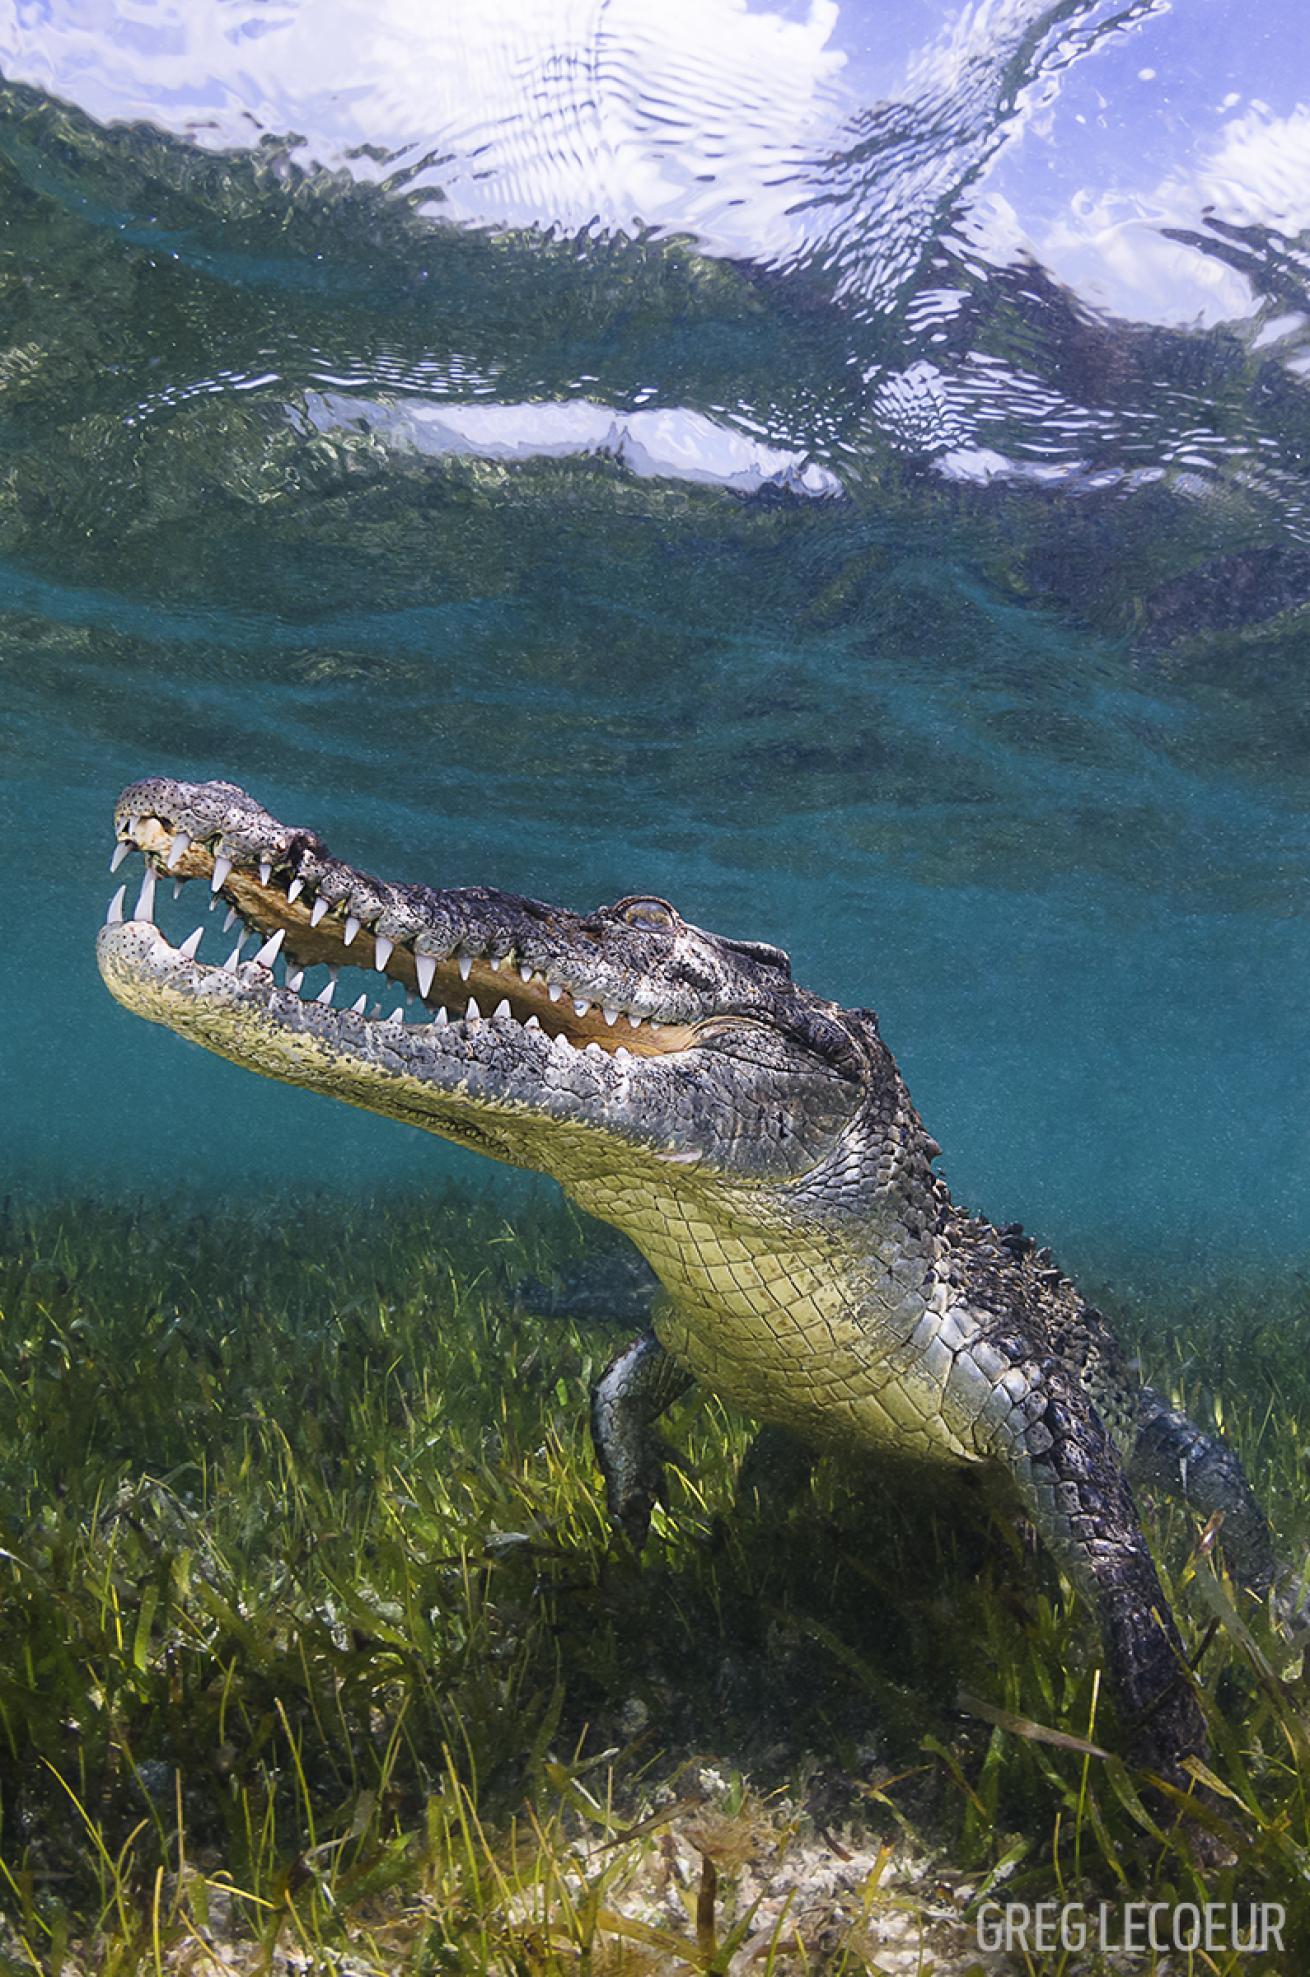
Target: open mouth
x=335 y=937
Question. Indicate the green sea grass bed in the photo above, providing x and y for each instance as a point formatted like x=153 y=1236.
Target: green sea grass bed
x=841 y=467
x=317 y=1653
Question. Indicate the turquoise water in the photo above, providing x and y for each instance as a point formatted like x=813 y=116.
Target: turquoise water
x=844 y=470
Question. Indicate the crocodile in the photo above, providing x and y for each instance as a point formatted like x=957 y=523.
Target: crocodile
x=755 y=1142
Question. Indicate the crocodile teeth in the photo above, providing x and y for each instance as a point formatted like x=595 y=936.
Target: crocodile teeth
x=533 y=1023
x=396 y=1020
x=317 y=910
x=554 y=991
x=465 y=964
x=115 y=912
x=145 y=905
x=425 y=968
x=502 y=1009
x=495 y=960
x=441 y=1019
x=634 y=1019
x=352 y=928
x=295 y=889
x=295 y=979
x=381 y=951
x=222 y=866
x=191 y=943
x=621 y=1050
x=177 y=888
x=526 y=974
x=360 y=1004
x=326 y=994
x=268 y=953
x=265 y=870
x=231 y=963
x=120 y=853
x=473 y=1014
x=611 y=1015
x=580 y=1005
x=181 y=839
x=229 y=919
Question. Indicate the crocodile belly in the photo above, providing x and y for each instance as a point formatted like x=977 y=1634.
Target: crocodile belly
x=842 y=1347
x=906 y=1383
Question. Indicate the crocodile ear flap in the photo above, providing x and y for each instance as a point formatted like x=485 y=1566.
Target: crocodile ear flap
x=842 y=1040
x=760 y=951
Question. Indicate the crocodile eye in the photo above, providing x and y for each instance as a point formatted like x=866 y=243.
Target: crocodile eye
x=646 y=912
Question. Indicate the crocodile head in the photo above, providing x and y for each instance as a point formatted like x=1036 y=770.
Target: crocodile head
x=606 y=1049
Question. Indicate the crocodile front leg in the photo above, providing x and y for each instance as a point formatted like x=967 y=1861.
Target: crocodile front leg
x=631 y=1394
x=1176 y=1456
x=616 y=1287
x=1073 y=1482
x=775 y=1470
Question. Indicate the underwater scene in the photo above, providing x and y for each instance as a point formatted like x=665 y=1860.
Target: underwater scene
x=554 y=559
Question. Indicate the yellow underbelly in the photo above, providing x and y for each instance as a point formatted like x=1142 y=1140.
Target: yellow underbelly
x=819 y=1378
x=841 y=1348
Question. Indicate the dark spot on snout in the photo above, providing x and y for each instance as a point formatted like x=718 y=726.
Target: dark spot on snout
x=305 y=842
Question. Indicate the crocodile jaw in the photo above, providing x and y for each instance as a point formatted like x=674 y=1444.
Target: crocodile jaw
x=577 y=1047
x=511 y=1092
